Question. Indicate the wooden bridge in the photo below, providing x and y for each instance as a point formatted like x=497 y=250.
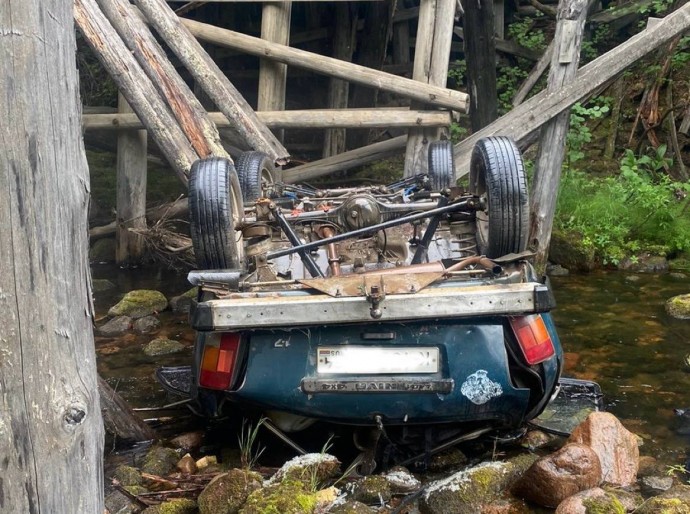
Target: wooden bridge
x=155 y=97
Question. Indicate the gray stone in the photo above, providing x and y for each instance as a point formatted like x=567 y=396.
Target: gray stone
x=401 y=481
x=119 y=503
x=645 y=264
x=103 y=250
x=556 y=270
x=351 y=507
x=679 y=306
x=115 y=327
x=147 y=324
x=159 y=461
x=654 y=485
x=183 y=302
x=372 y=490
x=162 y=346
x=568 y=250
x=98 y=285
x=139 y=303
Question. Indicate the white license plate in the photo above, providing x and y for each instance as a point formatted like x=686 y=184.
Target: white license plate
x=373 y=360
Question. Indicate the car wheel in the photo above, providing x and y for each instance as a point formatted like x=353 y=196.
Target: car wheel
x=215 y=209
x=497 y=174
x=441 y=164
x=253 y=170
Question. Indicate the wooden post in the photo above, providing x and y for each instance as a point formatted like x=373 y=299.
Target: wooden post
x=51 y=431
x=338 y=90
x=572 y=15
x=524 y=119
x=480 y=54
x=131 y=191
x=499 y=19
x=135 y=85
x=214 y=82
x=432 y=52
x=275 y=27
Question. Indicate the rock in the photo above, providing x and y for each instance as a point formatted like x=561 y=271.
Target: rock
x=206 y=461
x=115 y=327
x=630 y=500
x=226 y=493
x=568 y=250
x=507 y=506
x=645 y=263
x=127 y=475
x=159 y=461
x=591 y=501
x=183 y=303
x=632 y=278
x=103 y=250
x=312 y=469
x=326 y=497
x=616 y=447
x=449 y=459
x=162 y=346
x=372 y=490
x=351 y=507
x=146 y=325
x=176 y=506
x=678 y=276
x=119 y=503
x=139 y=303
x=401 y=481
x=286 y=497
x=467 y=491
x=647 y=466
x=135 y=490
x=98 y=285
x=655 y=485
x=535 y=439
x=188 y=441
x=551 y=479
x=556 y=270
x=659 y=505
x=679 y=306
x=187 y=465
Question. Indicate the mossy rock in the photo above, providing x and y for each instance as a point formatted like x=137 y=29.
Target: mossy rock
x=227 y=492
x=658 y=505
x=98 y=285
x=568 y=250
x=135 y=490
x=679 y=264
x=127 y=475
x=140 y=303
x=371 y=490
x=163 y=346
x=103 y=250
x=287 y=497
x=183 y=302
x=159 y=461
x=679 y=306
x=176 y=506
x=312 y=469
x=607 y=504
x=351 y=507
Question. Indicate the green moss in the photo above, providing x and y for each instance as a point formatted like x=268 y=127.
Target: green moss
x=287 y=497
x=664 y=506
x=176 y=506
x=159 y=461
x=163 y=346
x=127 y=475
x=607 y=504
x=140 y=303
x=679 y=306
x=228 y=492
x=372 y=489
x=135 y=490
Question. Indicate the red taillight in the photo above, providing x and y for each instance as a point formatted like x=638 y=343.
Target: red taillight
x=533 y=337
x=219 y=360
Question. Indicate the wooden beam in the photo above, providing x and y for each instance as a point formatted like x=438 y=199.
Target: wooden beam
x=534 y=112
x=346 y=160
x=570 y=25
x=534 y=76
x=212 y=79
x=434 y=95
x=334 y=118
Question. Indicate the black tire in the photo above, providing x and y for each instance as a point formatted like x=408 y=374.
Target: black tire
x=215 y=209
x=497 y=173
x=253 y=170
x=441 y=165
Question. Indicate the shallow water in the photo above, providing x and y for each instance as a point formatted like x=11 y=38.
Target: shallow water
x=613 y=328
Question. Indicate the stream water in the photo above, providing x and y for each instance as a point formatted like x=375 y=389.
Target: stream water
x=612 y=326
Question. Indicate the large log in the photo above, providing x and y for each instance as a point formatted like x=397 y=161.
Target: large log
x=190 y=114
x=172 y=210
x=566 y=56
x=51 y=431
x=328 y=66
x=533 y=113
x=327 y=118
x=346 y=160
x=118 y=417
x=212 y=79
x=135 y=86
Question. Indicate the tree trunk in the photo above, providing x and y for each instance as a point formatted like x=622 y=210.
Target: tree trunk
x=51 y=431
x=119 y=418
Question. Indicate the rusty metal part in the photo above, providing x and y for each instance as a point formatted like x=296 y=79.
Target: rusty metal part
x=480 y=260
x=297 y=245
x=326 y=231
x=361 y=284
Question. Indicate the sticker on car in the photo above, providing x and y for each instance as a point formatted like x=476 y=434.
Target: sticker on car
x=479 y=388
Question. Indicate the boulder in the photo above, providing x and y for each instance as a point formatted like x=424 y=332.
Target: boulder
x=146 y=325
x=679 y=306
x=117 y=502
x=452 y=458
x=183 y=302
x=139 y=303
x=372 y=490
x=161 y=346
x=176 y=506
x=115 y=327
x=551 y=479
x=468 y=491
x=159 y=461
x=286 y=497
x=616 y=447
x=127 y=475
x=188 y=441
x=226 y=493
x=401 y=481
x=103 y=250
x=629 y=499
x=674 y=501
x=591 y=501
x=645 y=263
x=507 y=506
x=655 y=485
x=312 y=469
x=535 y=439
x=351 y=507
x=569 y=250
x=556 y=270
x=98 y=285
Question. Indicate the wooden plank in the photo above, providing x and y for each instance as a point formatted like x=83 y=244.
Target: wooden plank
x=335 y=118
x=434 y=95
x=135 y=85
x=51 y=441
x=346 y=160
x=212 y=79
x=275 y=27
x=614 y=13
x=534 y=76
x=534 y=112
x=570 y=25
x=131 y=191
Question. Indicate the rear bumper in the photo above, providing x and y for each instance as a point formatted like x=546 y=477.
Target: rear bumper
x=297 y=308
